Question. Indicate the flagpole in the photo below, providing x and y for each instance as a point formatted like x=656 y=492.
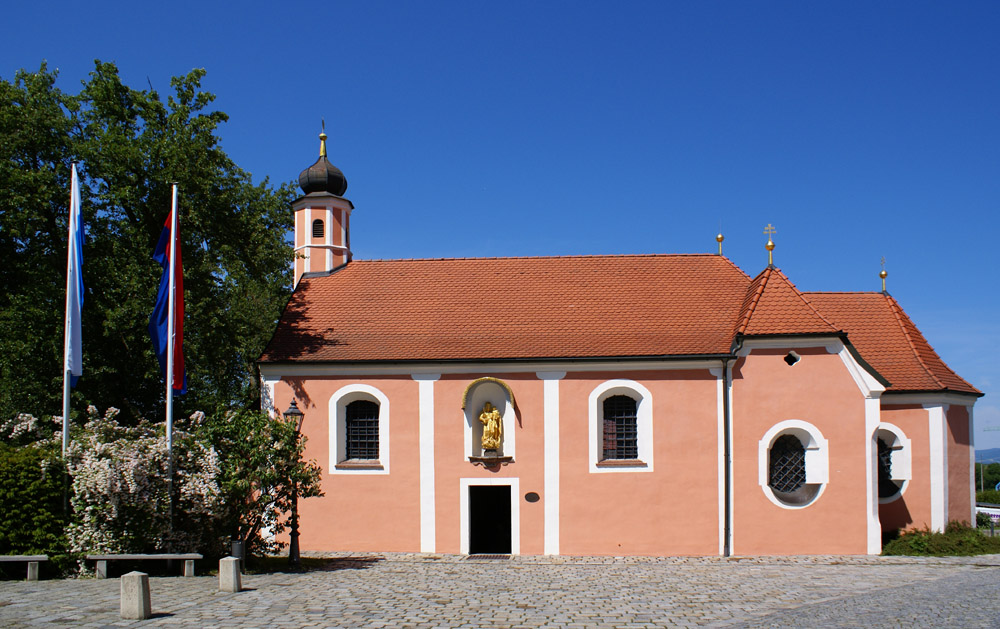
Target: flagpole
x=170 y=337
x=71 y=253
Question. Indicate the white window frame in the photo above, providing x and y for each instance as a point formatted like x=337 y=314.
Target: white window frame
x=338 y=428
x=643 y=424
x=902 y=455
x=817 y=458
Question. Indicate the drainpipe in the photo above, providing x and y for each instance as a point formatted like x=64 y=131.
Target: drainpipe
x=728 y=458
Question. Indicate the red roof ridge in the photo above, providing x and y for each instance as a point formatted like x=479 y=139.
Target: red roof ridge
x=806 y=301
x=842 y=292
x=558 y=257
x=750 y=302
x=897 y=312
x=762 y=281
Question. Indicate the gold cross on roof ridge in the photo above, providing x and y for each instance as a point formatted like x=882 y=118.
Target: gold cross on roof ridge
x=770 y=230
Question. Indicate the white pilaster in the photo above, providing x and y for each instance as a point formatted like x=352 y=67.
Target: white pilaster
x=345 y=252
x=428 y=521
x=972 y=467
x=873 y=416
x=938 y=443
x=307 y=234
x=328 y=235
x=721 y=454
x=551 y=441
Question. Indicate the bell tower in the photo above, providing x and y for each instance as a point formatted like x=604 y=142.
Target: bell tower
x=322 y=218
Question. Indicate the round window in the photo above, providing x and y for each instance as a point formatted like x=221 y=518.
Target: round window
x=787 y=471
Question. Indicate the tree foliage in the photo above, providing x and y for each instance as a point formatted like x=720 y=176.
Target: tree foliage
x=31 y=495
x=987 y=476
x=261 y=469
x=131 y=144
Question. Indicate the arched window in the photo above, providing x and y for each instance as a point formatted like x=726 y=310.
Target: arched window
x=620 y=431
x=361 y=428
x=893 y=462
x=794 y=463
x=620 y=422
x=359 y=431
x=318 y=228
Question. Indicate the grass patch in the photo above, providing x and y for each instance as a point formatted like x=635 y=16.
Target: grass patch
x=958 y=539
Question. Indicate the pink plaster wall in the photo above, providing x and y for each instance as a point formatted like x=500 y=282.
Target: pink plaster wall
x=672 y=510
x=912 y=510
x=318 y=255
x=819 y=390
x=451 y=464
x=960 y=504
x=360 y=512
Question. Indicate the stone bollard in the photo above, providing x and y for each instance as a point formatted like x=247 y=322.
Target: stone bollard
x=32 y=571
x=189 y=567
x=135 y=596
x=229 y=575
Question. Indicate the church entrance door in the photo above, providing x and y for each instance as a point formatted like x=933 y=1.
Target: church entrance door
x=489 y=519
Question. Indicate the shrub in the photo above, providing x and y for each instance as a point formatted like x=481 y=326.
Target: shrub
x=958 y=538
x=261 y=467
x=120 y=488
x=32 y=517
x=990 y=496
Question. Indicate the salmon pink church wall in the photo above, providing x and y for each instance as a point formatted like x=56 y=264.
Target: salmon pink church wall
x=451 y=464
x=360 y=512
x=960 y=505
x=819 y=390
x=912 y=510
x=671 y=510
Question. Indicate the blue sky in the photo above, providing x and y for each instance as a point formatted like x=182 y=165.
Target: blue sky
x=858 y=129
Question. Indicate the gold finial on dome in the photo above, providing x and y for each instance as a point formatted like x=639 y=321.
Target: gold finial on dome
x=322 y=140
x=770 y=244
x=883 y=274
x=719 y=238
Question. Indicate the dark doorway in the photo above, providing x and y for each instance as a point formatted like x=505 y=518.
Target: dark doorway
x=489 y=519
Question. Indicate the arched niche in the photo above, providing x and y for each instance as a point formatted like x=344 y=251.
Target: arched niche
x=499 y=394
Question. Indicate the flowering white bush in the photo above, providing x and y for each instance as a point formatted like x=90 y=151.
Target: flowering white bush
x=120 y=487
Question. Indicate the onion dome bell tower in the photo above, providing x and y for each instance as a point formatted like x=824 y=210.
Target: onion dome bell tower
x=322 y=218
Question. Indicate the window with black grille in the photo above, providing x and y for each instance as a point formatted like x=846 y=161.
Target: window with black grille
x=787 y=470
x=361 y=422
x=318 y=228
x=887 y=488
x=620 y=432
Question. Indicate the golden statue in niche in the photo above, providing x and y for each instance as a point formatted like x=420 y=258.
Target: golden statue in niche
x=492 y=427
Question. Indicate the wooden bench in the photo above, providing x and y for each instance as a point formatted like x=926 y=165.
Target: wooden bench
x=102 y=561
x=32 y=561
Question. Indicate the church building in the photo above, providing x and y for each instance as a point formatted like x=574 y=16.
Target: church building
x=605 y=405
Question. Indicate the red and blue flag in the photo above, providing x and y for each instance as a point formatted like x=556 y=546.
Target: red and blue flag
x=159 y=320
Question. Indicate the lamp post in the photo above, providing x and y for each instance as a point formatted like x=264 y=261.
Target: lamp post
x=295 y=414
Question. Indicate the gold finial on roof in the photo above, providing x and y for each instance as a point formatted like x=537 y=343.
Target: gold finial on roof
x=322 y=140
x=719 y=238
x=883 y=274
x=770 y=244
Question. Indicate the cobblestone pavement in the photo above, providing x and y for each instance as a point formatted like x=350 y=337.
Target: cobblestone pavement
x=400 y=590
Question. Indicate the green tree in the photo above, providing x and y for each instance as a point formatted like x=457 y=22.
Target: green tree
x=131 y=145
x=31 y=497
x=987 y=475
x=261 y=467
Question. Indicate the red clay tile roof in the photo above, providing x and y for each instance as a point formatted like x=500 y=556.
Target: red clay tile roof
x=774 y=306
x=584 y=307
x=509 y=308
x=889 y=341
